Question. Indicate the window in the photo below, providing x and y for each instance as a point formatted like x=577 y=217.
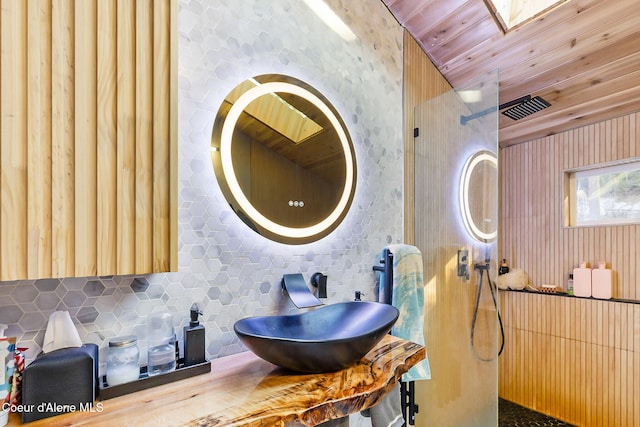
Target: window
x=606 y=195
x=511 y=13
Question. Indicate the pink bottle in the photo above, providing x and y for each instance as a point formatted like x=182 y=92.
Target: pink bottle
x=582 y=280
x=601 y=281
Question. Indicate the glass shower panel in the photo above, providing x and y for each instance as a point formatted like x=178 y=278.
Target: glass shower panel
x=456 y=201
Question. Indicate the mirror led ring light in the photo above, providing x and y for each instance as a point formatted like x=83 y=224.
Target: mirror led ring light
x=467 y=218
x=227 y=165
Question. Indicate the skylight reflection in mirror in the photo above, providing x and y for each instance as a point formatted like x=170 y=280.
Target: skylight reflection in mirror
x=277 y=113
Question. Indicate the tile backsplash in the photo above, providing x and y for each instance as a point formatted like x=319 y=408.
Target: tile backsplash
x=226 y=268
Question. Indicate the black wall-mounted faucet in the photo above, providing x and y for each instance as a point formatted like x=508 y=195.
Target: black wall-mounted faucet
x=319 y=280
x=298 y=291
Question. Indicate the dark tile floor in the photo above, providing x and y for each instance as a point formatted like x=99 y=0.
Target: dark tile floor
x=513 y=415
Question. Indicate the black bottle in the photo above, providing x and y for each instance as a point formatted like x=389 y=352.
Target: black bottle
x=504 y=267
x=194 y=339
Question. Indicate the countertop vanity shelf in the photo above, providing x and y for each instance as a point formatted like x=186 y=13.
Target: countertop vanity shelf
x=145 y=381
x=244 y=390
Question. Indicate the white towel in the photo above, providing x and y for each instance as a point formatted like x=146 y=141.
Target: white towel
x=60 y=333
x=388 y=412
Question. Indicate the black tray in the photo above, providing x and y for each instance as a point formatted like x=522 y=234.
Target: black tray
x=145 y=381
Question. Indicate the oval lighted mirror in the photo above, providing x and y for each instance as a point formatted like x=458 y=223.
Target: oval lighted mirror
x=283 y=158
x=479 y=196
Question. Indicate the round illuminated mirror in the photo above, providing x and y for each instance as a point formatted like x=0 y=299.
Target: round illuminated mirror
x=479 y=196
x=283 y=158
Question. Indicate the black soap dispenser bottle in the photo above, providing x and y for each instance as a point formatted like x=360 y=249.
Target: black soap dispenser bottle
x=504 y=267
x=194 y=339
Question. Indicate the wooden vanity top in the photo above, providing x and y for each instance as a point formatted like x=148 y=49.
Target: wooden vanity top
x=243 y=390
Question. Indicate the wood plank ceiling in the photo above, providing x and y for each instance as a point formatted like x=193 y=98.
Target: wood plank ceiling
x=582 y=56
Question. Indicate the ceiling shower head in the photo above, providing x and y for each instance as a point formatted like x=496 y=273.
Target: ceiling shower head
x=526 y=108
x=515 y=109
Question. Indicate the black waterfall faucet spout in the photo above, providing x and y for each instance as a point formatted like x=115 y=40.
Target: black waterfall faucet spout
x=298 y=292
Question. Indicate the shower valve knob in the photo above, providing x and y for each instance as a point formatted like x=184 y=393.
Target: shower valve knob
x=463 y=263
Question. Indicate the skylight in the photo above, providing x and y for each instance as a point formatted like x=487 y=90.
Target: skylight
x=511 y=13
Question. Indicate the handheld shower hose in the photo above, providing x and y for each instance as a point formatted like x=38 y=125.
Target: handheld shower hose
x=484 y=267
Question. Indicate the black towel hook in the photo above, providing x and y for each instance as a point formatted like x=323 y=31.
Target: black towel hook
x=407 y=389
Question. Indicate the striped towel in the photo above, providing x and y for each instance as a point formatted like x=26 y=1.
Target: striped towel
x=408 y=298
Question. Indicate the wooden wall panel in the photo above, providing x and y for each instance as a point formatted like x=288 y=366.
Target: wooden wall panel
x=39 y=137
x=106 y=168
x=162 y=81
x=532 y=234
x=460 y=379
x=85 y=148
x=126 y=157
x=582 y=367
x=88 y=139
x=62 y=142
x=144 y=134
x=422 y=81
x=575 y=359
x=13 y=122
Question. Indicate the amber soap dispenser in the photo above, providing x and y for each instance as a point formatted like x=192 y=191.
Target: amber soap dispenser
x=194 y=339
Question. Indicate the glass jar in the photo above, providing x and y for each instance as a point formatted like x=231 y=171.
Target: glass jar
x=161 y=354
x=123 y=360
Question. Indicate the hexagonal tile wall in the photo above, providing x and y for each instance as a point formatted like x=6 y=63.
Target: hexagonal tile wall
x=229 y=270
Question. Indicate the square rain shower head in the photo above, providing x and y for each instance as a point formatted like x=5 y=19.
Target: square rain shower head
x=526 y=108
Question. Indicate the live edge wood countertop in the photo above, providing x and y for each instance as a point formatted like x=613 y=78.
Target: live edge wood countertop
x=243 y=390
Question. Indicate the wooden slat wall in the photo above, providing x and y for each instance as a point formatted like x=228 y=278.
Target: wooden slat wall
x=459 y=377
x=13 y=127
x=88 y=137
x=422 y=81
x=107 y=172
x=448 y=298
x=126 y=75
x=39 y=136
x=165 y=251
x=62 y=143
x=531 y=226
x=575 y=359
x=85 y=138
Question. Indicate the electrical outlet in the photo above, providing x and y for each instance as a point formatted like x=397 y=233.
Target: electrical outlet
x=463 y=263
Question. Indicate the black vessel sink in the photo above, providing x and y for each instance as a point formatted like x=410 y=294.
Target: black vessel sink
x=326 y=339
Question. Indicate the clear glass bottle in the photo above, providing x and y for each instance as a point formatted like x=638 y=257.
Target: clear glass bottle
x=123 y=360
x=570 y=285
x=161 y=354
